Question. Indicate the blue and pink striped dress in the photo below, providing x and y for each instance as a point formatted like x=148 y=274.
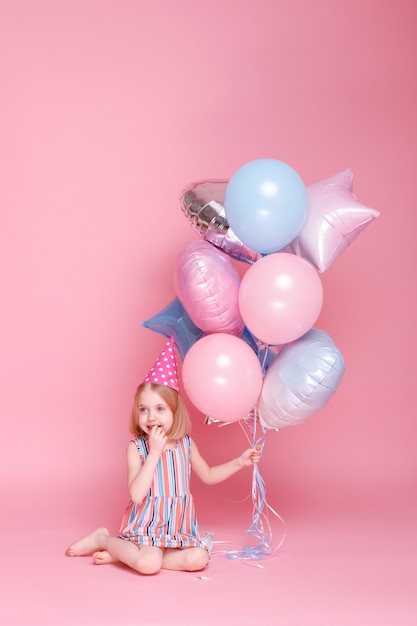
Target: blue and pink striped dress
x=166 y=516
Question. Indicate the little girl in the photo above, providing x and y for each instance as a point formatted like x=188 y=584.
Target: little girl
x=159 y=528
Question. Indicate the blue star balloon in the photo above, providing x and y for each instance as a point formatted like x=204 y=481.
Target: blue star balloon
x=174 y=321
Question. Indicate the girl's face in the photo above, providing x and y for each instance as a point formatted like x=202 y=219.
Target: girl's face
x=154 y=411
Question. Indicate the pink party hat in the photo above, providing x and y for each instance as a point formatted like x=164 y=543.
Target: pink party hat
x=164 y=370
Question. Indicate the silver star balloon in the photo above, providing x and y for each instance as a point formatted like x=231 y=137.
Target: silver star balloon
x=202 y=203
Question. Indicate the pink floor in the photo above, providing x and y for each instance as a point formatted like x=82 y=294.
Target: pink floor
x=355 y=566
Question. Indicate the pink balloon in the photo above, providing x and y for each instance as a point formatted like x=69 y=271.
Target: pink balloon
x=280 y=298
x=222 y=377
x=207 y=285
x=334 y=219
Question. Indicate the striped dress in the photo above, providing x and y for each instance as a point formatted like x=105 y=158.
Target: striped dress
x=166 y=516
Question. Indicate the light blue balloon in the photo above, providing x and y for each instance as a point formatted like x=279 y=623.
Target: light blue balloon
x=266 y=204
x=301 y=380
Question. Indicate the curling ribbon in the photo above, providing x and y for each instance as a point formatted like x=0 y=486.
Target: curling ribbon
x=260 y=528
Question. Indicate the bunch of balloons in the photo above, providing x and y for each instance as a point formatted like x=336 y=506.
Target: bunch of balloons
x=250 y=343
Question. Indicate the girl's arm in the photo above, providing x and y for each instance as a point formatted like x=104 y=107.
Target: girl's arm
x=218 y=473
x=140 y=477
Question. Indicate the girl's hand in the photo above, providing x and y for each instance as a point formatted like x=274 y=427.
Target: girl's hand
x=250 y=456
x=157 y=439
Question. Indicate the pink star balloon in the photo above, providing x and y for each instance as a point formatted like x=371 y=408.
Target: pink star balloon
x=334 y=219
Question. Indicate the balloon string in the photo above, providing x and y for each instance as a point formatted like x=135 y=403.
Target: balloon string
x=263 y=364
x=260 y=528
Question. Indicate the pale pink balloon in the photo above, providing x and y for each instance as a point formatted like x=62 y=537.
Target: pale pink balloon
x=280 y=298
x=207 y=285
x=334 y=219
x=222 y=377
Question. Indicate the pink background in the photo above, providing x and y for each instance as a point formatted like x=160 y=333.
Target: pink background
x=108 y=110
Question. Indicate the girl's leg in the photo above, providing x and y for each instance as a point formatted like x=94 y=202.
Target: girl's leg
x=185 y=559
x=143 y=559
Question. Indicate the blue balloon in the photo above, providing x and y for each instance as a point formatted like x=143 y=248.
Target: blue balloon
x=249 y=339
x=301 y=380
x=266 y=204
x=265 y=352
x=174 y=321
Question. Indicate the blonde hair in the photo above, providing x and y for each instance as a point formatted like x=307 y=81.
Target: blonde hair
x=181 y=424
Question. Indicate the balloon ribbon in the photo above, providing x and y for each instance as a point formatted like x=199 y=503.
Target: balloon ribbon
x=260 y=528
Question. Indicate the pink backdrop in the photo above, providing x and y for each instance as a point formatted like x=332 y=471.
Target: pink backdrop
x=109 y=109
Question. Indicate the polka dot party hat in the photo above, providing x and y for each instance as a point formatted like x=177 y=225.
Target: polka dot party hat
x=164 y=370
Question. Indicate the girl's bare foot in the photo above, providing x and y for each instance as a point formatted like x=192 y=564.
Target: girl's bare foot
x=103 y=557
x=87 y=544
